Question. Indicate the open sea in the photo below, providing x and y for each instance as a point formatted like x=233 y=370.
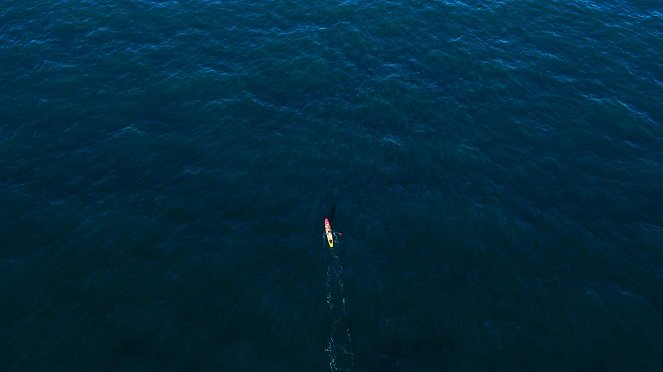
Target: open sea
x=495 y=169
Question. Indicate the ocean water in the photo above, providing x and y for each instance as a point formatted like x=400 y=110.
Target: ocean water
x=496 y=169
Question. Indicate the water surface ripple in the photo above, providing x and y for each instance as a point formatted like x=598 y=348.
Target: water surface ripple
x=165 y=167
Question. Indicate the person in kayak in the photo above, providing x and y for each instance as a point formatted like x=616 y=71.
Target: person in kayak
x=330 y=235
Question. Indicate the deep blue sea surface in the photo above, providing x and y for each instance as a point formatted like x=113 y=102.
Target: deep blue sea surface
x=496 y=169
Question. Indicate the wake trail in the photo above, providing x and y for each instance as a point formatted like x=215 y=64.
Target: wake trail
x=339 y=346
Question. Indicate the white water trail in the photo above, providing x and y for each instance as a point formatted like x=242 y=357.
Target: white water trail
x=339 y=346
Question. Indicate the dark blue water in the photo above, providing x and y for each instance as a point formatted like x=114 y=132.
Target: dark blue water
x=497 y=171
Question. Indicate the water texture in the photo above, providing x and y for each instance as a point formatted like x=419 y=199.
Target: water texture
x=165 y=168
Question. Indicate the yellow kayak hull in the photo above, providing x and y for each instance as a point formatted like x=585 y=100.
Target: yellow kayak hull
x=328 y=233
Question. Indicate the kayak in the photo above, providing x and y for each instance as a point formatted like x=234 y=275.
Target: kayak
x=328 y=232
